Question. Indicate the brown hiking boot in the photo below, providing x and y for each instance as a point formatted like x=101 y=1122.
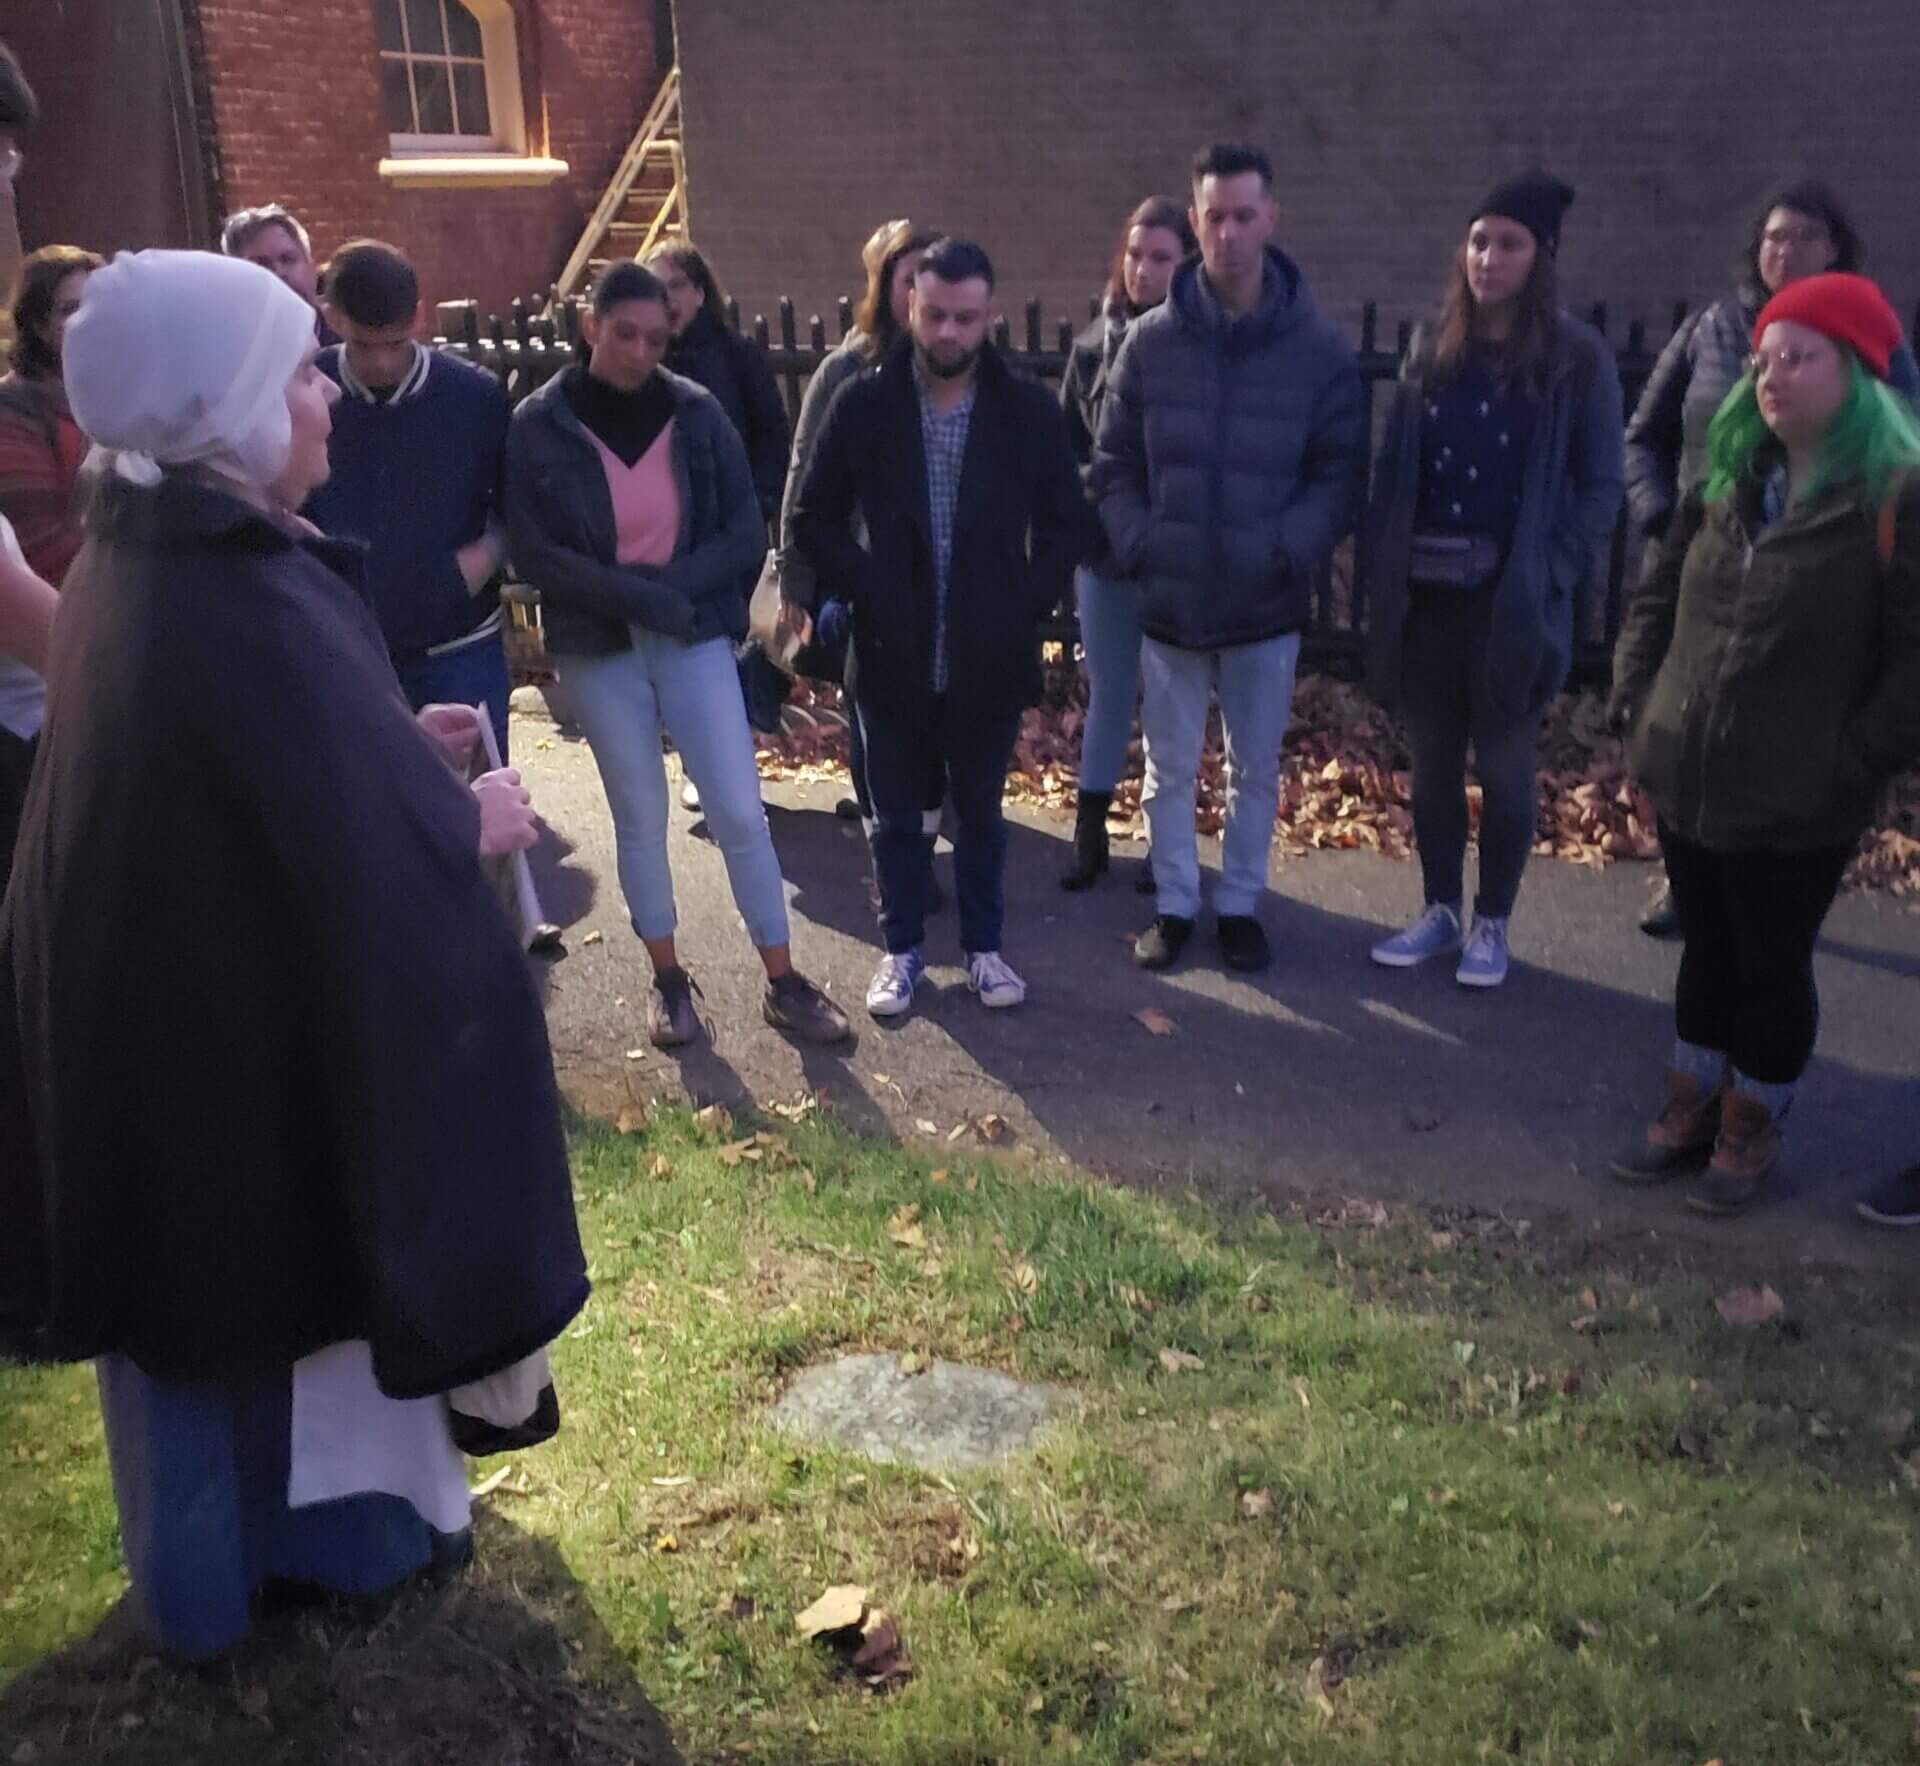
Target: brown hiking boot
x=1680 y=1139
x=793 y=1004
x=1743 y=1157
x=673 y=1022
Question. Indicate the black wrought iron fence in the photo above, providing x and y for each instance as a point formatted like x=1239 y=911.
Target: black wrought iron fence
x=526 y=349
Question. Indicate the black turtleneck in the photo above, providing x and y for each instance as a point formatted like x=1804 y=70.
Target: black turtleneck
x=628 y=423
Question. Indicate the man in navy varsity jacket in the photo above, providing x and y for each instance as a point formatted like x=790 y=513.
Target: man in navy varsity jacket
x=418 y=455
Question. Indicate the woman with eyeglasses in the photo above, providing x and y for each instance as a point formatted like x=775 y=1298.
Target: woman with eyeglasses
x=1801 y=230
x=1768 y=678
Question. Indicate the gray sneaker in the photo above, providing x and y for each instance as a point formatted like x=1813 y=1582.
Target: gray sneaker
x=1437 y=931
x=1484 y=962
x=794 y=1005
x=674 y=1021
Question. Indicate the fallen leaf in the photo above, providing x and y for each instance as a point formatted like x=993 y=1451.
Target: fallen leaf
x=970 y=1183
x=926 y=1127
x=1749 y=1306
x=1178 y=1361
x=735 y=1151
x=662 y=1166
x=842 y=1606
x=937 y=1177
x=1131 y=1296
x=1025 y=1277
x=955 y=1132
x=673 y=1483
x=1465 y=1352
x=492 y=1482
x=630 y=1120
x=1589 y=1300
x=913 y=1363
x=992 y=1129
x=712 y=1118
x=594 y=938
x=1256 y=1505
x=636 y=1054
x=1155 y=1021
x=1303 y=1392
x=666 y=1543
x=903 y=1227
x=1587 y=1324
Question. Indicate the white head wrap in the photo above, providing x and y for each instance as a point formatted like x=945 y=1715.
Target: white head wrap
x=181 y=358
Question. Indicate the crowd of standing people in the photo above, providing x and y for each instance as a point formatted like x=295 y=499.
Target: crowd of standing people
x=274 y=524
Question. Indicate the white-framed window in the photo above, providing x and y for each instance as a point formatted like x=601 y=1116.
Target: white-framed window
x=450 y=76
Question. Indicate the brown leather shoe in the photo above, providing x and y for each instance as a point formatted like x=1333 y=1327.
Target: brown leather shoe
x=1743 y=1157
x=1680 y=1139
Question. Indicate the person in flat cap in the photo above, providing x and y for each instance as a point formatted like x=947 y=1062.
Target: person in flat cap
x=280 y=1142
x=1767 y=680
x=1495 y=494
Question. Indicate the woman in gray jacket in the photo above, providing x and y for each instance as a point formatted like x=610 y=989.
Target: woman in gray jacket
x=1496 y=490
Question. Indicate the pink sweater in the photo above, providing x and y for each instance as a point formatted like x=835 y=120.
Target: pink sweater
x=646 y=501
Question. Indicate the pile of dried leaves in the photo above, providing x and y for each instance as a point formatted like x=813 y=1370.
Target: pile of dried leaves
x=1345 y=781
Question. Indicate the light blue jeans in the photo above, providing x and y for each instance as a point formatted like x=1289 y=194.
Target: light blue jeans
x=1255 y=684
x=1110 y=635
x=693 y=692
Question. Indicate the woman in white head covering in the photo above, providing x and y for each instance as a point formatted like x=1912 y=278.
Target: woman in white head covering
x=279 y=1141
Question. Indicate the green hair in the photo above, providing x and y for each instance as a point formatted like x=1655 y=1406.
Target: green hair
x=1873 y=435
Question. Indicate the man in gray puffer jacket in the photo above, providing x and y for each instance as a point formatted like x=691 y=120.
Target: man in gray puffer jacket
x=1230 y=461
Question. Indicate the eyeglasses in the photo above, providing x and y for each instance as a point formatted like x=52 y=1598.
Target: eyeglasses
x=1811 y=234
x=11 y=160
x=1785 y=360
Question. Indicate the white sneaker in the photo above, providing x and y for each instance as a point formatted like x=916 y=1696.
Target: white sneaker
x=996 y=984
x=689 y=795
x=890 y=992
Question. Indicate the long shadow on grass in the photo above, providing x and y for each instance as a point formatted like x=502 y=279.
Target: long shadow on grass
x=508 y=1665
x=1328 y=1075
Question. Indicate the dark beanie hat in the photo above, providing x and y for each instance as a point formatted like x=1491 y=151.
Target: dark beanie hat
x=1537 y=200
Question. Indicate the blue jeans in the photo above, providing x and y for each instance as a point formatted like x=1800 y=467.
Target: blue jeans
x=1255 y=684
x=475 y=674
x=693 y=692
x=1110 y=634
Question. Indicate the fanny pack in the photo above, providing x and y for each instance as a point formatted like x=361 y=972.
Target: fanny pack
x=1453 y=560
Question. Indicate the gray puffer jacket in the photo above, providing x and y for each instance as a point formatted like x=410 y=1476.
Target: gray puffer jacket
x=1230 y=458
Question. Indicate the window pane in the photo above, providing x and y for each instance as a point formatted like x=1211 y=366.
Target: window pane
x=470 y=100
x=396 y=96
x=463 y=31
x=433 y=97
x=426 y=35
x=386 y=21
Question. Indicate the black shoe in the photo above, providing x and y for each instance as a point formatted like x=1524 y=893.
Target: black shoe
x=793 y=1004
x=847 y=809
x=1243 y=942
x=1895 y=1203
x=1159 y=947
x=1089 y=841
x=674 y=1022
x=1662 y=918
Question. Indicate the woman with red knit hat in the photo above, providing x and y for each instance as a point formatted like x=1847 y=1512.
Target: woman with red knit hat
x=1768 y=673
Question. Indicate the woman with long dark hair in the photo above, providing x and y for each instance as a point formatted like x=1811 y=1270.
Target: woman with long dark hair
x=1802 y=229
x=1496 y=490
x=41 y=446
x=1155 y=241
x=735 y=369
x=1768 y=680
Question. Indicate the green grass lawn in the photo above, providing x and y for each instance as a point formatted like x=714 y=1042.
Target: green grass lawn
x=1443 y=1490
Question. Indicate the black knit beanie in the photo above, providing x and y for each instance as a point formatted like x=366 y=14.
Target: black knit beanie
x=1537 y=200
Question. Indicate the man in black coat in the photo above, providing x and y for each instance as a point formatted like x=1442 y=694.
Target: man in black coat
x=971 y=502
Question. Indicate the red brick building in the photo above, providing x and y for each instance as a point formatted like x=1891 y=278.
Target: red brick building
x=1034 y=125
x=476 y=134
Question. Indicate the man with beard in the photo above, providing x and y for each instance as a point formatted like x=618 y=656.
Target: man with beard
x=971 y=502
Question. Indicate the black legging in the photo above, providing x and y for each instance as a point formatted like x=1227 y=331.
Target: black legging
x=1751 y=920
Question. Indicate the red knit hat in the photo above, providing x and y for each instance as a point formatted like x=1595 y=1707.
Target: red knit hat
x=1848 y=309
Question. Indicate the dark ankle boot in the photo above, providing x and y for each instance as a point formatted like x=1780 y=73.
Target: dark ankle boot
x=1089 y=840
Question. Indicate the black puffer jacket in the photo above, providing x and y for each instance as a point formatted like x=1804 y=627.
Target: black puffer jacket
x=1083 y=390
x=1230 y=458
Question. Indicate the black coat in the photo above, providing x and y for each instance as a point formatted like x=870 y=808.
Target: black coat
x=736 y=371
x=1020 y=528
x=273 y=1073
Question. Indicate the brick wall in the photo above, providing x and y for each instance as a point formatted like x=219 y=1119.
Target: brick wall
x=297 y=120
x=1036 y=124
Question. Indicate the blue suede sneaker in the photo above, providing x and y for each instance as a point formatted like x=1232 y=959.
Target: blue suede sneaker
x=1437 y=930
x=1484 y=962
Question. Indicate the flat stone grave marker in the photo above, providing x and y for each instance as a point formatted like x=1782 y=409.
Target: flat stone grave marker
x=946 y=1417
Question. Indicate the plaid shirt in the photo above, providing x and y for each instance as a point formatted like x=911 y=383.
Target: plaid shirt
x=943 y=436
